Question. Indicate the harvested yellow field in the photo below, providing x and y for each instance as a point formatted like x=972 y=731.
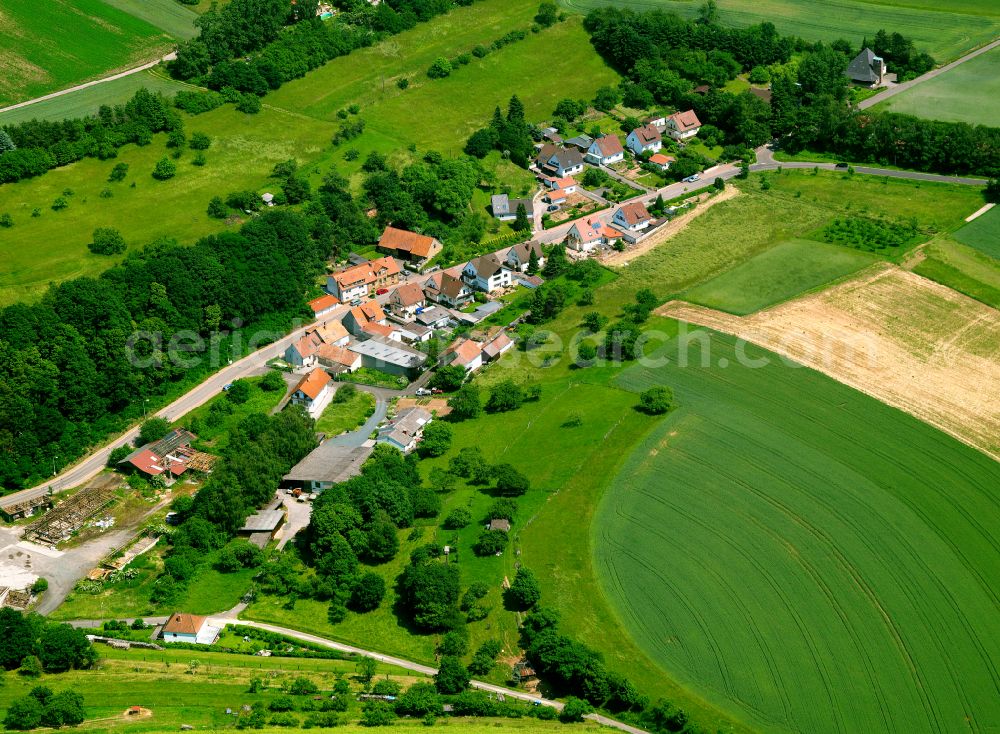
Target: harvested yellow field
x=911 y=343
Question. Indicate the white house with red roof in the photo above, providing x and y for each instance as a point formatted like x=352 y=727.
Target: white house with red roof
x=358 y=281
x=605 y=150
x=323 y=306
x=644 y=139
x=590 y=233
x=359 y=316
x=304 y=351
x=661 y=161
x=566 y=183
x=406 y=300
x=314 y=392
x=465 y=353
x=191 y=628
x=633 y=217
x=683 y=125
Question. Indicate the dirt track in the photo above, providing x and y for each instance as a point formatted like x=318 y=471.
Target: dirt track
x=894 y=335
x=705 y=202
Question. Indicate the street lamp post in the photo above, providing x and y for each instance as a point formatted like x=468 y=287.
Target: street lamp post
x=54 y=457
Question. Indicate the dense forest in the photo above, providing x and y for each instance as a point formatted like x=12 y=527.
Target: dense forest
x=664 y=58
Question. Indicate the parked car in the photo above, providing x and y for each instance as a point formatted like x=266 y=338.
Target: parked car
x=227 y=388
x=692 y=178
x=421 y=391
x=381 y=291
x=552 y=208
x=356 y=302
x=842 y=165
x=436 y=391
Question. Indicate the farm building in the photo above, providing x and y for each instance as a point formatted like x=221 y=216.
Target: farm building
x=394 y=359
x=169 y=457
x=405 y=430
x=328 y=464
x=16 y=506
x=189 y=628
x=262 y=526
x=410 y=246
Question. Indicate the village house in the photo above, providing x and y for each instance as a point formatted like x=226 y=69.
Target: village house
x=359 y=317
x=465 y=353
x=493 y=348
x=518 y=257
x=683 y=125
x=387 y=356
x=434 y=317
x=645 y=139
x=448 y=289
x=590 y=233
x=189 y=628
x=556 y=196
x=359 y=280
x=566 y=183
x=505 y=209
x=866 y=69
x=556 y=161
x=406 y=300
x=657 y=121
x=580 y=142
x=314 y=392
x=487 y=273
x=414 y=248
x=405 y=430
x=632 y=217
x=336 y=359
x=605 y=150
x=661 y=161
x=304 y=351
x=328 y=464
x=323 y=306
x=169 y=457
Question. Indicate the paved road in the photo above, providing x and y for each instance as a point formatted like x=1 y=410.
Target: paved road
x=897 y=88
x=92 y=464
x=169 y=57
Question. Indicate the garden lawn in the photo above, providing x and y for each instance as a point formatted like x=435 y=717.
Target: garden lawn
x=346 y=416
x=88 y=101
x=983 y=233
x=968 y=93
x=802 y=555
x=213 y=432
x=936 y=28
x=53 y=246
x=45 y=46
x=788 y=269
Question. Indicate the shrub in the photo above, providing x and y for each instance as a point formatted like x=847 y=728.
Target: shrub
x=118 y=173
x=248 y=103
x=656 y=400
x=457 y=519
x=107 y=241
x=239 y=392
x=302 y=686
x=59 y=204
x=368 y=592
x=164 y=169
x=574 y=710
x=440 y=68
x=524 y=592
x=402 y=82
x=490 y=543
x=6 y=221
x=452 y=677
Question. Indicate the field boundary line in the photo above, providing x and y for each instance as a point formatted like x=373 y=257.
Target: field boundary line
x=980 y=211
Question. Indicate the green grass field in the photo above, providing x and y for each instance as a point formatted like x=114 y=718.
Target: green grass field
x=212 y=436
x=788 y=269
x=968 y=93
x=804 y=556
x=935 y=27
x=982 y=233
x=53 y=45
x=243 y=152
x=962 y=268
x=169 y=16
x=88 y=101
x=346 y=416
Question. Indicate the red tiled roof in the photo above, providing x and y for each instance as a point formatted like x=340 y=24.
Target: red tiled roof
x=635 y=212
x=367 y=272
x=684 y=121
x=609 y=145
x=313 y=383
x=647 y=134
x=556 y=194
x=184 y=624
x=338 y=355
x=661 y=159
x=405 y=241
x=408 y=294
x=465 y=351
x=377 y=329
x=323 y=303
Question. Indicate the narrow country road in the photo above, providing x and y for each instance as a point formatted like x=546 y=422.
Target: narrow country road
x=898 y=88
x=149 y=65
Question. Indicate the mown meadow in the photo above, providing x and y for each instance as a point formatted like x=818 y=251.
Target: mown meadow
x=944 y=30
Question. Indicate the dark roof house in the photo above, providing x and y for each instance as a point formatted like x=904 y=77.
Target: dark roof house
x=866 y=68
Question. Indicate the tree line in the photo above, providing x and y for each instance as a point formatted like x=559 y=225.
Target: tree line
x=664 y=58
x=68 y=374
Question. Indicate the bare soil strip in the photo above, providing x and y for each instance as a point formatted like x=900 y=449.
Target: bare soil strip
x=903 y=339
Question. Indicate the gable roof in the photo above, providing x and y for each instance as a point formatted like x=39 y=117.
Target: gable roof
x=377 y=329
x=312 y=384
x=634 y=213
x=497 y=345
x=323 y=303
x=609 y=145
x=564 y=157
x=464 y=351
x=487 y=265
x=647 y=134
x=368 y=311
x=661 y=159
x=408 y=294
x=404 y=241
x=592 y=228
x=580 y=141
x=523 y=251
x=860 y=69
x=184 y=624
x=337 y=355
x=684 y=121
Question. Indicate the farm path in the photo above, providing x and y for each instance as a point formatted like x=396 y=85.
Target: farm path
x=128 y=72
x=891 y=334
x=897 y=88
